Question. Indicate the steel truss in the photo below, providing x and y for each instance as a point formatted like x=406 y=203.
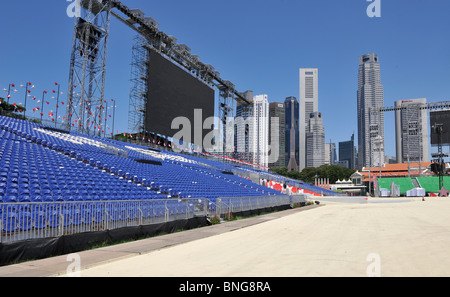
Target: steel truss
x=139 y=83
x=226 y=111
x=85 y=106
x=414 y=128
x=88 y=63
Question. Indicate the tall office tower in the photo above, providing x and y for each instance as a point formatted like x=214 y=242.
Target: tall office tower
x=260 y=141
x=315 y=141
x=411 y=130
x=347 y=152
x=330 y=154
x=243 y=131
x=309 y=103
x=292 y=133
x=370 y=126
x=277 y=121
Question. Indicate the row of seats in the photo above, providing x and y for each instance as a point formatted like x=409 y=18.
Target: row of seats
x=38 y=162
x=39 y=165
x=38 y=216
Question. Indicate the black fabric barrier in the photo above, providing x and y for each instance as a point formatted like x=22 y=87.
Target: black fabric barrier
x=36 y=249
x=249 y=213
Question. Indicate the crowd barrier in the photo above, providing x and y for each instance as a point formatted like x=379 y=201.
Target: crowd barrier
x=35 y=220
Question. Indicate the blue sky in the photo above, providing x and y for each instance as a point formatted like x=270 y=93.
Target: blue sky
x=258 y=45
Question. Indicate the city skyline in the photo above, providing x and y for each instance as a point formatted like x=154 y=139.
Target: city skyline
x=406 y=31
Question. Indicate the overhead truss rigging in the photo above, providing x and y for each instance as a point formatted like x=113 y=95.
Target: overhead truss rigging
x=88 y=61
x=375 y=114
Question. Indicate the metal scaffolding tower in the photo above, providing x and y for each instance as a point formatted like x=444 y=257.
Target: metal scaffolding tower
x=139 y=83
x=85 y=107
x=414 y=127
x=414 y=130
x=88 y=66
x=226 y=111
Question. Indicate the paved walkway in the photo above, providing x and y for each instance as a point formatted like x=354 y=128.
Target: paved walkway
x=385 y=237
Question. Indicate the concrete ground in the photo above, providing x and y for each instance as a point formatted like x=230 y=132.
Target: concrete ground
x=374 y=237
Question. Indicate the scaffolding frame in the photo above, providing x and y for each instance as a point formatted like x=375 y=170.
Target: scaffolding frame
x=226 y=111
x=139 y=86
x=85 y=106
x=88 y=66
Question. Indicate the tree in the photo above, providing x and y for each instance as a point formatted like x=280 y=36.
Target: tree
x=309 y=174
x=334 y=172
x=10 y=107
x=281 y=171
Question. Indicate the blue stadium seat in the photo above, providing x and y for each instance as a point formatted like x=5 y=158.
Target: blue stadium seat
x=39 y=216
x=53 y=214
x=25 y=217
x=38 y=166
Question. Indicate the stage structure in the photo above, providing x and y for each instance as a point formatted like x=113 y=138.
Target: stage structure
x=88 y=65
x=413 y=129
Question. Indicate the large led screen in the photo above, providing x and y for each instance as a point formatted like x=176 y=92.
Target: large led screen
x=173 y=93
x=440 y=117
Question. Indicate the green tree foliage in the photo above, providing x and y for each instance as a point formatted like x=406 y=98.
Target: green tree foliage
x=308 y=175
x=10 y=107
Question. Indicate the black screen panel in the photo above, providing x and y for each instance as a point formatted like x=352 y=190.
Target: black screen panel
x=172 y=93
x=440 y=117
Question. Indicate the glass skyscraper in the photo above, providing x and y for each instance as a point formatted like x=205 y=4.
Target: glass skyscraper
x=277 y=121
x=315 y=141
x=347 y=152
x=309 y=103
x=370 y=126
x=292 y=133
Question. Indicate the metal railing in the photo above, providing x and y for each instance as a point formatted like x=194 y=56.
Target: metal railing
x=32 y=220
x=230 y=205
x=21 y=221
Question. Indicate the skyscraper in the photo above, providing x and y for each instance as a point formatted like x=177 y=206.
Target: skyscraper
x=411 y=127
x=251 y=131
x=260 y=141
x=330 y=153
x=347 y=152
x=309 y=103
x=277 y=121
x=292 y=133
x=370 y=127
x=315 y=141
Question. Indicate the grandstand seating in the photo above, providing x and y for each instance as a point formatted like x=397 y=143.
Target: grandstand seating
x=404 y=183
x=431 y=183
x=41 y=165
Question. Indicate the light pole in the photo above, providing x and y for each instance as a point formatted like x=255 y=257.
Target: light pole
x=42 y=104
x=9 y=91
x=57 y=103
x=27 y=91
x=106 y=118
x=114 y=116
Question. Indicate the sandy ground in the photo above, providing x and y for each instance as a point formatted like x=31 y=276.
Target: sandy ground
x=380 y=238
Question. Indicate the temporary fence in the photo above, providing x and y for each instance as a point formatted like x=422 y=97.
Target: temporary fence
x=33 y=220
